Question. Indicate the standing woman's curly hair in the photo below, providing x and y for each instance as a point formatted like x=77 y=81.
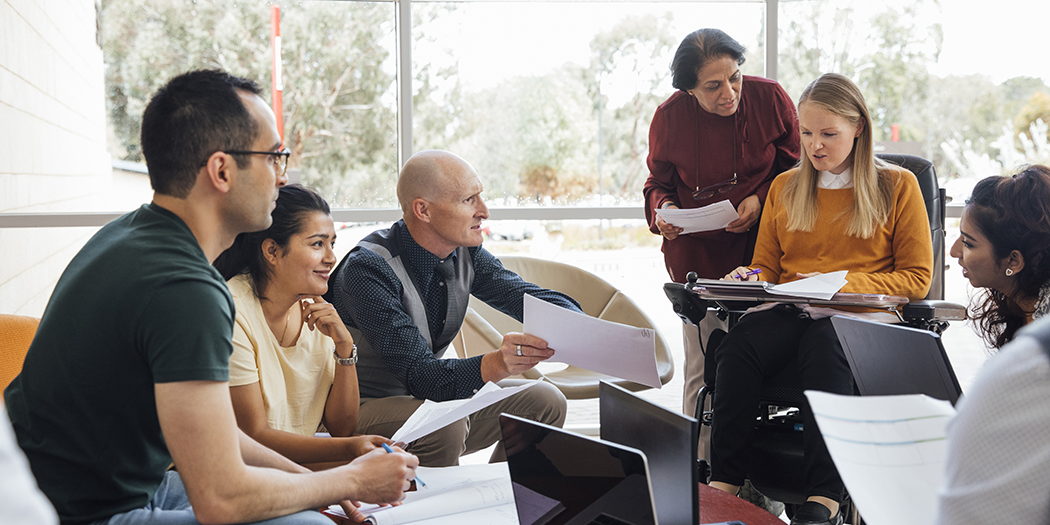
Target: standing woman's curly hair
x=294 y=204
x=1013 y=213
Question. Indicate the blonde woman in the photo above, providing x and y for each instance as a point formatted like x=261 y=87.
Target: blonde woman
x=841 y=209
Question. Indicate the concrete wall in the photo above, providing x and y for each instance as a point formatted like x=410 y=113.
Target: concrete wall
x=52 y=140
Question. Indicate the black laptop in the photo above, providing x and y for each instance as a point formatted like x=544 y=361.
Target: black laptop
x=668 y=440
x=560 y=477
x=889 y=359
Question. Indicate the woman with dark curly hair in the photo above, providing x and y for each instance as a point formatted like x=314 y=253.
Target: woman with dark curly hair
x=1004 y=247
x=998 y=464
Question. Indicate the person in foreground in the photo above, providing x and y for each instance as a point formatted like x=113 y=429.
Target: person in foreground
x=403 y=293
x=284 y=379
x=998 y=466
x=128 y=371
x=998 y=462
x=841 y=209
x=1004 y=247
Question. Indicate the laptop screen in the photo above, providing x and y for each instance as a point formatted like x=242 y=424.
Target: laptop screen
x=890 y=359
x=560 y=477
x=668 y=440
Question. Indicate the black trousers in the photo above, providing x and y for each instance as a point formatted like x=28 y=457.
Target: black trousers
x=759 y=346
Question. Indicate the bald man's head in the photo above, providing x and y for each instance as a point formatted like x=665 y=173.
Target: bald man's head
x=440 y=196
x=431 y=175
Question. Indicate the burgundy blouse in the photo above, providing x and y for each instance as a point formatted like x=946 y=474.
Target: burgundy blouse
x=690 y=148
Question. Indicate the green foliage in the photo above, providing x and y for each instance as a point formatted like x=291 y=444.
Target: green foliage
x=632 y=48
x=337 y=72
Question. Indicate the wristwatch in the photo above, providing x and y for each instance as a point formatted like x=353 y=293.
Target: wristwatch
x=352 y=360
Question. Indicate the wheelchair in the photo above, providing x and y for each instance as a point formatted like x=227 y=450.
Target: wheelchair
x=777 y=458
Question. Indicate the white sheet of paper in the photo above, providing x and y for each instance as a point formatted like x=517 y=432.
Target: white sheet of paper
x=889 y=450
x=822 y=286
x=486 y=489
x=614 y=349
x=432 y=416
x=711 y=217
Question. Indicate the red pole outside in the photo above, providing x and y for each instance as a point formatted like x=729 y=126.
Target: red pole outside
x=895 y=133
x=278 y=82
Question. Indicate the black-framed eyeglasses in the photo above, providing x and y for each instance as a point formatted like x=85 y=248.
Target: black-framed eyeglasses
x=715 y=189
x=280 y=158
x=707 y=192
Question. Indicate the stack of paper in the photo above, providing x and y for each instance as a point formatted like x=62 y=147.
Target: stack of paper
x=889 y=450
x=712 y=217
x=432 y=416
x=822 y=286
x=454 y=496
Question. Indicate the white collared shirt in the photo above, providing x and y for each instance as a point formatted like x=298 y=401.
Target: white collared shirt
x=830 y=181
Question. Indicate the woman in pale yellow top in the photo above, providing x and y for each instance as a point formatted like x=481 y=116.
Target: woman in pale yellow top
x=293 y=364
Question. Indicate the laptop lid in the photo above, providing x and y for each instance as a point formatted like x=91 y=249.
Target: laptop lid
x=668 y=440
x=560 y=477
x=891 y=359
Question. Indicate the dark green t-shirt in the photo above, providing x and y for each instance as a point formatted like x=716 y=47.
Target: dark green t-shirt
x=140 y=304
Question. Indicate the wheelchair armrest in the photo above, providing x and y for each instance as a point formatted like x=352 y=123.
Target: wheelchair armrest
x=686 y=304
x=934 y=310
x=932 y=315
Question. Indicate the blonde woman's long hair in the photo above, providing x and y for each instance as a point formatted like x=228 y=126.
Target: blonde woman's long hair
x=873 y=180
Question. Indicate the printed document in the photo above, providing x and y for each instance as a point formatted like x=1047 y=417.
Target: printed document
x=889 y=450
x=614 y=349
x=432 y=416
x=454 y=496
x=712 y=217
x=823 y=286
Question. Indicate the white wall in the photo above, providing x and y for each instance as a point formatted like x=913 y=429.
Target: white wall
x=52 y=139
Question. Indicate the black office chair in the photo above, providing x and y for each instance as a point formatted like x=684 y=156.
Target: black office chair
x=777 y=464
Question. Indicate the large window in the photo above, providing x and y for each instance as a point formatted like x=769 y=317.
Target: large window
x=551 y=101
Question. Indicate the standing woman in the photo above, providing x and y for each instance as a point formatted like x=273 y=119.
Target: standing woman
x=841 y=209
x=720 y=136
x=293 y=363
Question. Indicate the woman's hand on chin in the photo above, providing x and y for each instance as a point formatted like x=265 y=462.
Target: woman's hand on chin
x=321 y=315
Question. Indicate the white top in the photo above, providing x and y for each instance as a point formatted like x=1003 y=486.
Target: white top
x=998 y=468
x=830 y=181
x=21 y=502
x=294 y=381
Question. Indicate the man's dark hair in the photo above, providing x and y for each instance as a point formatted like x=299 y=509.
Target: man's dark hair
x=696 y=50
x=194 y=115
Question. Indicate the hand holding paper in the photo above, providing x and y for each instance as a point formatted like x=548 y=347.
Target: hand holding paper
x=619 y=350
x=712 y=217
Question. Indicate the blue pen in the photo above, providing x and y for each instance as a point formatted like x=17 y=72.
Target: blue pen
x=416 y=479
x=756 y=271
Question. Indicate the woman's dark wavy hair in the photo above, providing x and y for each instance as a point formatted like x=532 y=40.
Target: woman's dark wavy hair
x=696 y=49
x=1013 y=213
x=294 y=203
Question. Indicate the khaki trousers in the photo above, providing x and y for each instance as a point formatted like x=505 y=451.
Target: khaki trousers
x=694 y=372
x=383 y=416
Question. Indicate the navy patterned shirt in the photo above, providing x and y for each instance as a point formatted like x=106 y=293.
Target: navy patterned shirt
x=369 y=298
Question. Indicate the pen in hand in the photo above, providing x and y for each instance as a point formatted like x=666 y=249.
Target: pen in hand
x=749 y=273
x=418 y=481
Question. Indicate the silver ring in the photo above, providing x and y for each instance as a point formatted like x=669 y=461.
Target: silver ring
x=519 y=350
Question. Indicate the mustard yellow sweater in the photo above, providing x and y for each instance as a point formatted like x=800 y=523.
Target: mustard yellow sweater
x=897 y=260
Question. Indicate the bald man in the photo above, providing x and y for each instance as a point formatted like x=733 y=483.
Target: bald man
x=403 y=294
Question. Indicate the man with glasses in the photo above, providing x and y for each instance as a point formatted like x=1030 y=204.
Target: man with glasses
x=128 y=371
